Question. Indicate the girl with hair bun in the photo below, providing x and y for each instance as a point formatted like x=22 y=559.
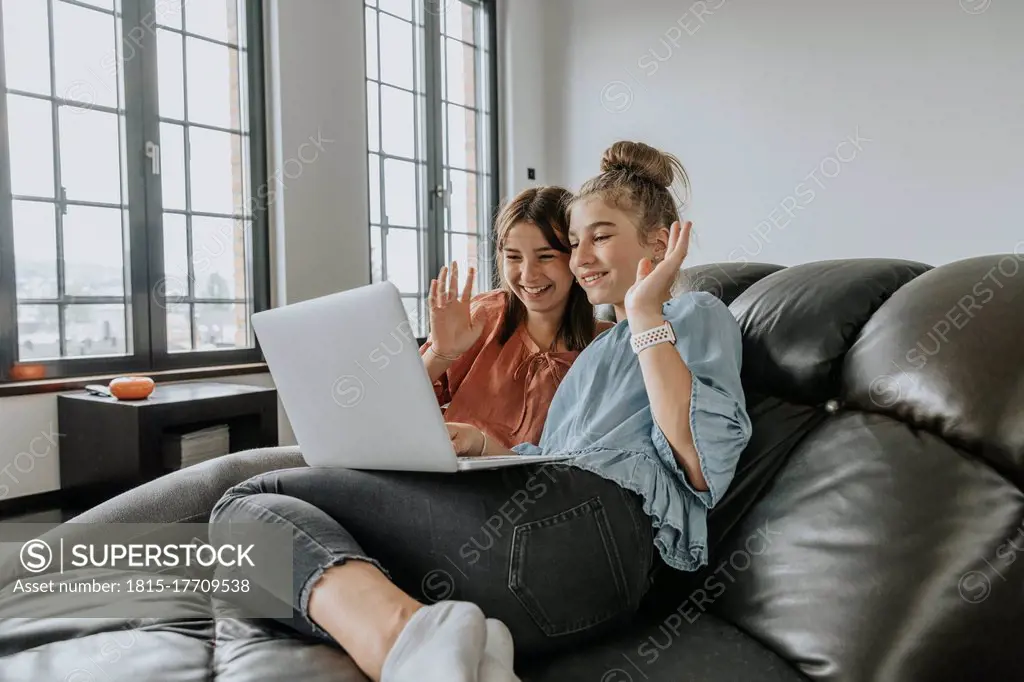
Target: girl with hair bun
x=654 y=405
x=654 y=408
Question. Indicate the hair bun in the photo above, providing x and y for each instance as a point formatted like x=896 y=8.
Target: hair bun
x=641 y=160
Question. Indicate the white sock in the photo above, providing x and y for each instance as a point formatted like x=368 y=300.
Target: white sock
x=443 y=642
x=496 y=665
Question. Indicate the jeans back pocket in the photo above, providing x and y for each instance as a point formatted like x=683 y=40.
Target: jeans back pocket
x=566 y=570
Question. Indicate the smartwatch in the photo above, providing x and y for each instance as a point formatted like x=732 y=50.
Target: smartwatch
x=663 y=333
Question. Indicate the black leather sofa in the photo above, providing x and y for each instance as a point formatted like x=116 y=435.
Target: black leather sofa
x=870 y=535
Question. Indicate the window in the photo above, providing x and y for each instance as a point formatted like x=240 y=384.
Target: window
x=431 y=98
x=131 y=136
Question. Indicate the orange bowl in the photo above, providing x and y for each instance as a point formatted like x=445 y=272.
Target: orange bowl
x=28 y=372
x=132 y=388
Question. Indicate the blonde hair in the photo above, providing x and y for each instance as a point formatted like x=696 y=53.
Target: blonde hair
x=638 y=179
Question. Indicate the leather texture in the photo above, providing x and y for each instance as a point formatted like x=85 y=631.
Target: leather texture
x=870 y=534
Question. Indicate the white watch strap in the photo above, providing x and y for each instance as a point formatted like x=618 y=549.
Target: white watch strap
x=663 y=333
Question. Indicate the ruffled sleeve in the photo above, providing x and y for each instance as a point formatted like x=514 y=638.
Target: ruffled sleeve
x=709 y=341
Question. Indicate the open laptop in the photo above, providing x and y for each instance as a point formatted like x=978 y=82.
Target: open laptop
x=350 y=376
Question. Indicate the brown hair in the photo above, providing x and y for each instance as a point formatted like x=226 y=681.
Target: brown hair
x=546 y=208
x=637 y=178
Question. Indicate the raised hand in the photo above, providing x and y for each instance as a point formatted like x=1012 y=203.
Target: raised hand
x=653 y=284
x=452 y=329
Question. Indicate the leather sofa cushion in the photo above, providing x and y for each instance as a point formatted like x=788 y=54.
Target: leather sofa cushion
x=209 y=642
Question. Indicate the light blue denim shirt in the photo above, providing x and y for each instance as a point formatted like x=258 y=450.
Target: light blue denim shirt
x=602 y=416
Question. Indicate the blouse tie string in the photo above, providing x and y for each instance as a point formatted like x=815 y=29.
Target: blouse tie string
x=532 y=364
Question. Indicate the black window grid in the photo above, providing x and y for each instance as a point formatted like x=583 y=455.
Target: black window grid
x=62 y=300
x=191 y=299
x=138 y=121
x=436 y=231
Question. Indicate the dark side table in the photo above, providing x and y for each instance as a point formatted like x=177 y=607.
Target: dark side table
x=109 y=445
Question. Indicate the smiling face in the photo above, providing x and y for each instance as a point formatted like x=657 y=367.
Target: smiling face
x=606 y=250
x=537 y=273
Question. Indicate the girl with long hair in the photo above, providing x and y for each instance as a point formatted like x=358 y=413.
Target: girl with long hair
x=496 y=359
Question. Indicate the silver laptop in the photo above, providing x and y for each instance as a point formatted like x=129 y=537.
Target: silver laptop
x=349 y=373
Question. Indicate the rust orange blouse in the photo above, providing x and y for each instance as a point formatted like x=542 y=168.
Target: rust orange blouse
x=504 y=390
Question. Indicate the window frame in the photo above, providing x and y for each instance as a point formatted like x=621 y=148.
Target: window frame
x=435 y=229
x=145 y=307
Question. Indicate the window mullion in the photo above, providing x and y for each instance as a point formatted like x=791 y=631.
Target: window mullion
x=494 y=166
x=383 y=192
x=145 y=225
x=8 y=298
x=59 y=192
x=190 y=274
x=436 y=214
x=384 y=222
x=260 y=234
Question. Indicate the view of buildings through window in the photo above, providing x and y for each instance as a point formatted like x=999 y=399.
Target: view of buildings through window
x=431 y=157
x=207 y=217
x=65 y=89
x=76 y=200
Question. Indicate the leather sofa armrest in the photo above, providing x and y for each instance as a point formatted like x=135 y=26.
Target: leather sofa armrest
x=188 y=495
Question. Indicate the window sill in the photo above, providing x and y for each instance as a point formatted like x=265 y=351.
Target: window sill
x=16 y=388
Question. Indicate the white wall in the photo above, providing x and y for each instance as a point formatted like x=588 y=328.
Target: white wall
x=757 y=98
x=318 y=71
x=28 y=445
x=320 y=201
x=522 y=64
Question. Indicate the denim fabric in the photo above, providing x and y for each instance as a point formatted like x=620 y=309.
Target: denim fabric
x=602 y=415
x=557 y=553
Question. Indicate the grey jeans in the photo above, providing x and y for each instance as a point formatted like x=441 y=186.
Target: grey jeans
x=559 y=554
